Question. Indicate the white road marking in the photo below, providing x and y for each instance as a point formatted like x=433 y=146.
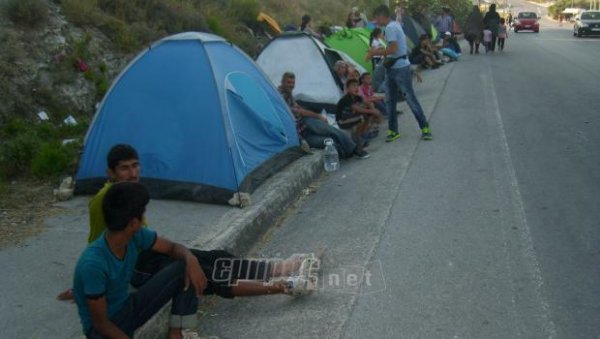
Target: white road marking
x=517 y=202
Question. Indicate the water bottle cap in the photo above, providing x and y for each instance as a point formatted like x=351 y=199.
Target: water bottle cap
x=328 y=141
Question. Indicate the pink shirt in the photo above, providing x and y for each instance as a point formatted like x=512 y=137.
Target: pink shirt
x=365 y=91
x=502 y=32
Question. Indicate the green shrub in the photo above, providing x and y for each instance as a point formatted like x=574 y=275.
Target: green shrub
x=245 y=11
x=89 y=75
x=26 y=12
x=35 y=148
x=51 y=160
x=2 y=183
x=214 y=25
x=119 y=33
x=13 y=128
x=81 y=46
x=81 y=12
x=175 y=17
x=103 y=67
x=145 y=35
x=16 y=154
x=102 y=86
x=45 y=130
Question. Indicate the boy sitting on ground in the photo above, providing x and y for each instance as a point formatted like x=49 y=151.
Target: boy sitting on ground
x=356 y=115
x=105 y=267
x=244 y=277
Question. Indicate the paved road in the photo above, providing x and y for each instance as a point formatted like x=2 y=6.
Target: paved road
x=489 y=231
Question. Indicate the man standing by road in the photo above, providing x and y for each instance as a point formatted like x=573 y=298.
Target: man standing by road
x=444 y=22
x=398 y=73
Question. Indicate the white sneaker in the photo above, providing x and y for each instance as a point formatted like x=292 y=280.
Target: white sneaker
x=299 y=286
x=190 y=334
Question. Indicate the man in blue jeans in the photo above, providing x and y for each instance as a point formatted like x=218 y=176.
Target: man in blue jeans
x=399 y=74
x=313 y=127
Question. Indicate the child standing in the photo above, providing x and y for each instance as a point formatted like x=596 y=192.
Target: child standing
x=487 y=40
x=375 y=42
x=502 y=34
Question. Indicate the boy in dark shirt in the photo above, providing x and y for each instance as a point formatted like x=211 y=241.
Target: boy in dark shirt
x=356 y=115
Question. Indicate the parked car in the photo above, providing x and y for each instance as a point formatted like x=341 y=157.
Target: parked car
x=526 y=21
x=587 y=23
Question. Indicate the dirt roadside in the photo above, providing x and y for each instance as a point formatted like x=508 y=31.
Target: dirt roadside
x=23 y=207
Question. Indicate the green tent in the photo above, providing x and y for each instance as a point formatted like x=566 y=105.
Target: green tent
x=354 y=42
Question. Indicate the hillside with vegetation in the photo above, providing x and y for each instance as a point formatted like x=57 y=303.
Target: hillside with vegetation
x=559 y=6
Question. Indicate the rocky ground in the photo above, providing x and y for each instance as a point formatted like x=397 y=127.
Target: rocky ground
x=38 y=73
x=23 y=207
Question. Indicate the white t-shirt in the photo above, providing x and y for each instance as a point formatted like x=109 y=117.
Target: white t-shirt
x=377 y=44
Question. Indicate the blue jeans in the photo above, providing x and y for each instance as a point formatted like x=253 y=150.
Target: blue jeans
x=165 y=285
x=400 y=79
x=317 y=131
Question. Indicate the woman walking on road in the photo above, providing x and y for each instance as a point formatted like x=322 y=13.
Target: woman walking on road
x=491 y=21
x=474 y=29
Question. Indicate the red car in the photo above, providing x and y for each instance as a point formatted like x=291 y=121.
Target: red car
x=526 y=21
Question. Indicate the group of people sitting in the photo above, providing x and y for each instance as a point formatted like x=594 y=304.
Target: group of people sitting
x=358 y=113
x=429 y=55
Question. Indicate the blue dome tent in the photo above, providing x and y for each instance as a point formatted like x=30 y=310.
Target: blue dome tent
x=205 y=120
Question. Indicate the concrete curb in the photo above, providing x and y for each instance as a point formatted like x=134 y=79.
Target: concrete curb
x=243 y=228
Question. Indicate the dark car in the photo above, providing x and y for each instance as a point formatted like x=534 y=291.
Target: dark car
x=526 y=21
x=587 y=23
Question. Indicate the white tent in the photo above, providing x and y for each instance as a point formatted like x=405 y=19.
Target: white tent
x=317 y=86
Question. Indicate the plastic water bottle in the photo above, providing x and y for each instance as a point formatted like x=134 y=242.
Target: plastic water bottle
x=331 y=158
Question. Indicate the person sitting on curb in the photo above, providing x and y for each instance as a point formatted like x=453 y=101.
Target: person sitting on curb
x=450 y=47
x=341 y=71
x=104 y=269
x=422 y=56
x=315 y=126
x=356 y=115
x=246 y=277
x=367 y=92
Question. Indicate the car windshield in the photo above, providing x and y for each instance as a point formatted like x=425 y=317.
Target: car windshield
x=527 y=15
x=590 y=16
